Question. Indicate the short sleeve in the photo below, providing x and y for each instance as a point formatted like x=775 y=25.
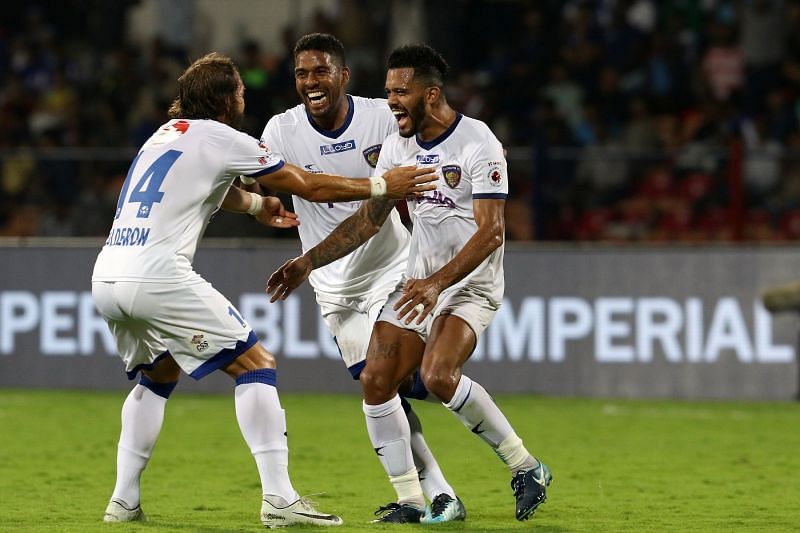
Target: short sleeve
x=271 y=136
x=384 y=163
x=489 y=170
x=251 y=158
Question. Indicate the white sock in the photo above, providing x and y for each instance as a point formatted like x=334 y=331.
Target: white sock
x=430 y=475
x=263 y=426
x=477 y=411
x=391 y=438
x=142 y=418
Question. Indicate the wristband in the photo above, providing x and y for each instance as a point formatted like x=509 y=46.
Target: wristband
x=256 y=201
x=378 y=187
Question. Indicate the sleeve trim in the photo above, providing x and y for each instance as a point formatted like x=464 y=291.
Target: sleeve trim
x=268 y=170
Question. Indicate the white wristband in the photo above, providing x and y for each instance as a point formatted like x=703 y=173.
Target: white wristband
x=256 y=201
x=378 y=186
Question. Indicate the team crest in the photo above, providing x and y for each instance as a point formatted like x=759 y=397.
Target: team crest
x=452 y=175
x=371 y=154
x=495 y=176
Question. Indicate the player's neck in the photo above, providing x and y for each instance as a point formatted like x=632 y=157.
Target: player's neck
x=334 y=121
x=437 y=122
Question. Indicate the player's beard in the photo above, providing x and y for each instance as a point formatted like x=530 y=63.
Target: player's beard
x=415 y=115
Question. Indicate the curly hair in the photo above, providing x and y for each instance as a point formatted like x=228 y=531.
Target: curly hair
x=428 y=64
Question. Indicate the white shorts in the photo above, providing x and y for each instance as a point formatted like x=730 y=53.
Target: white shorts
x=191 y=321
x=350 y=321
x=466 y=303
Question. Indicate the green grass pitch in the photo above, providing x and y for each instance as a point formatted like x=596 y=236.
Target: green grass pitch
x=618 y=465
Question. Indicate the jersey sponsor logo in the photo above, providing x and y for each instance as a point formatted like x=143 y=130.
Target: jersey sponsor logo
x=335 y=148
x=312 y=168
x=452 y=175
x=495 y=176
x=427 y=159
x=371 y=154
x=128 y=237
x=437 y=198
x=262 y=160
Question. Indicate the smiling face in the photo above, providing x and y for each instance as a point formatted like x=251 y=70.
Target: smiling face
x=320 y=82
x=406 y=100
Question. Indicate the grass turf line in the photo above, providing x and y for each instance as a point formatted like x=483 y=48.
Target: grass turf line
x=619 y=465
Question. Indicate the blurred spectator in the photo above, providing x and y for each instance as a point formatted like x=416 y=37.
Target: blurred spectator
x=723 y=62
x=620 y=114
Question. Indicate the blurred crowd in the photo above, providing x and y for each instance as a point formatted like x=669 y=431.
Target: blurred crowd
x=625 y=120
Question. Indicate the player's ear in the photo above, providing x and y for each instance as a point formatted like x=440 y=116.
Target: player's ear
x=345 y=75
x=432 y=94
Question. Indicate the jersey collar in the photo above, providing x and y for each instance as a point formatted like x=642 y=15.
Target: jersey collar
x=333 y=134
x=441 y=138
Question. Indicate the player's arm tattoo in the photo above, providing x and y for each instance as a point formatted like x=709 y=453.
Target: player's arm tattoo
x=354 y=231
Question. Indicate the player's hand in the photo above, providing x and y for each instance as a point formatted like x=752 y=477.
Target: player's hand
x=404 y=182
x=273 y=214
x=288 y=277
x=418 y=299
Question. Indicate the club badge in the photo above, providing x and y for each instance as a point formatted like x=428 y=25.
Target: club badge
x=371 y=154
x=452 y=175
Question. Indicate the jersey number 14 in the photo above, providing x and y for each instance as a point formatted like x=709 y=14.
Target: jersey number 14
x=146 y=191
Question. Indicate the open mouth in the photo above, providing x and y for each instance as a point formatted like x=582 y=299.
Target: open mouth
x=317 y=98
x=402 y=118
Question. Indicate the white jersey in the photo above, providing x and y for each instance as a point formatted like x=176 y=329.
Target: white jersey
x=470 y=164
x=173 y=187
x=350 y=151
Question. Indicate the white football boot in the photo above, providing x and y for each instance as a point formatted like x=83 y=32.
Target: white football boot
x=118 y=512
x=301 y=511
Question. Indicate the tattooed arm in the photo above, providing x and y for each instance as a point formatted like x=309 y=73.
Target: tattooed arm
x=354 y=231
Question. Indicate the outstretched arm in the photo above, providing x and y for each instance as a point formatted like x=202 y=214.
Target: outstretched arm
x=396 y=183
x=267 y=210
x=354 y=231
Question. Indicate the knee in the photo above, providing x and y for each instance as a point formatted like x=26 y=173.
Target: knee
x=376 y=386
x=267 y=360
x=256 y=358
x=440 y=382
x=165 y=371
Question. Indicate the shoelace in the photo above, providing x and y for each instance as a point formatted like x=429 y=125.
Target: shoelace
x=439 y=504
x=308 y=501
x=390 y=508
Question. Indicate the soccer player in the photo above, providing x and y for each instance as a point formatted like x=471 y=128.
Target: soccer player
x=165 y=317
x=332 y=131
x=453 y=284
